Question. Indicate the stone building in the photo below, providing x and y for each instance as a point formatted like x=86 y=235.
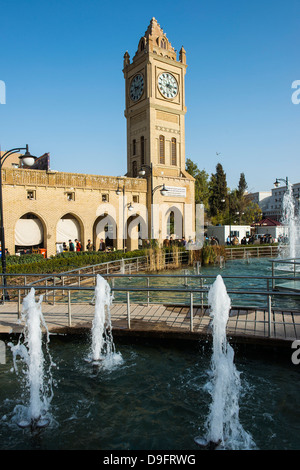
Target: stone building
x=44 y=208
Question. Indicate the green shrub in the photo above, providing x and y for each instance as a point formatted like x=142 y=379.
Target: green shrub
x=24 y=259
x=66 y=261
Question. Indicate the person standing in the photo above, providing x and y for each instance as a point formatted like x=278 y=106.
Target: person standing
x=102 y=245
x=89 y=246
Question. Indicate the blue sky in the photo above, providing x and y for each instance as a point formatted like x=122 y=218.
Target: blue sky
x=61 y=61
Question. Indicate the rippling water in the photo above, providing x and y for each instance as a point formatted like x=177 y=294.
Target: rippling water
x=154 y=400
x=252 y=270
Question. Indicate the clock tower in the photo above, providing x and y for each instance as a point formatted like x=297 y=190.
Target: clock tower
x=155 y=113
x=155 y=104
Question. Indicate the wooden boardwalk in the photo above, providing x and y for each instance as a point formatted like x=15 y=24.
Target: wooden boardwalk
x=157 y=320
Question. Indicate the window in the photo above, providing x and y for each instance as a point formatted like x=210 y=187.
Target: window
x=71 y=196
x=134 y=147
x=142 y=150
x=135 y=199
x=163 y=44
x=173 y=151
x=134 y=169
x=105 y=198
x=161 y=149
x=31 y=194
x=170 y=223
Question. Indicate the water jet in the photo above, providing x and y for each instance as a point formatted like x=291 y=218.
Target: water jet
x=224 y=429
x=30 y=349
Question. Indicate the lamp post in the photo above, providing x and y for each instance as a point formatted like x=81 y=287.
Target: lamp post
x=130 y=208
x=163 y=191
x=286 y=181
x=277 y=184
x=28 y=160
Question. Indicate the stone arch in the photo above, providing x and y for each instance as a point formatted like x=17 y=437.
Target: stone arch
x=173 y=223
x=30 y=233
x=163 y=42
x=68 y=227
x=136 y=230
x=105 y=227
x=142 y=44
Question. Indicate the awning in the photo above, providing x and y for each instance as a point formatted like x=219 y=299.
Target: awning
x=67 y=229
x=29 y=232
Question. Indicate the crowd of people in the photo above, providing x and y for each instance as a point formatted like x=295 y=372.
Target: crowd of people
x=169 y=242
x=181 y=242
x=76 y=245
x=234 y=240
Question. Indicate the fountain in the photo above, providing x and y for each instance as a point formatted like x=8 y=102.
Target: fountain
x=102 y=347
x=152 y=392
x=224 y=429
x=31 y=352
x=291 y=222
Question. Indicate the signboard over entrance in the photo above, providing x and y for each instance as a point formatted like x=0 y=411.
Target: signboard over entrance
x=176 y=191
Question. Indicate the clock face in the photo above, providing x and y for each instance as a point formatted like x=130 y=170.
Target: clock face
x=167 y=85
x=136 y=87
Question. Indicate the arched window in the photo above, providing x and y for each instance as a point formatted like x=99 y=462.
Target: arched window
x=134 y=169
x=173 y=151
x=142 y=150
x=161 y=149
x=134 y=147
x=163 y=44
x=170 y=223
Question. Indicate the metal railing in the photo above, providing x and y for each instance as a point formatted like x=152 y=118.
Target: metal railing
x=257 y=251
x=289 y=265
x=122 y=265
x=191 y=295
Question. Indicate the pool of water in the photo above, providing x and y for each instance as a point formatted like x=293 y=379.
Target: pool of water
x=154 y=399
x=252 y=268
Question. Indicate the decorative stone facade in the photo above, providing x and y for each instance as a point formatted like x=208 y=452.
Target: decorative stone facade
x=53 y=204
x=50 y=196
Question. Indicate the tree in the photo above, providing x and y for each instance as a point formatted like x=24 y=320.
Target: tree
x=242 y=186
x=241 y=201
x=218 y=191
x=201 y=182
x=253 y=213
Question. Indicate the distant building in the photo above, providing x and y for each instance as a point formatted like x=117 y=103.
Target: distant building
x=261 y=198
x=271 y=202
x=268 y=226
x=221 y=232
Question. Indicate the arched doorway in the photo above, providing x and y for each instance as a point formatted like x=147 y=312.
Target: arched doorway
x=105 y=228
x=136 y=231
x=30 y=235
x=174 y=223
x=68 y=228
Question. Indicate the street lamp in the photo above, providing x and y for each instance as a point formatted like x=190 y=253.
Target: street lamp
x=28 y=160
x=142 y=172
x=129 y=206
x=277 y=182
x=164 y=191
x=118 y=192
x=162 y=187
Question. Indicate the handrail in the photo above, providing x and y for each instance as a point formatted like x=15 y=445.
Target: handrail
x=145 y=275
x=191 y=290
x=154 y=289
